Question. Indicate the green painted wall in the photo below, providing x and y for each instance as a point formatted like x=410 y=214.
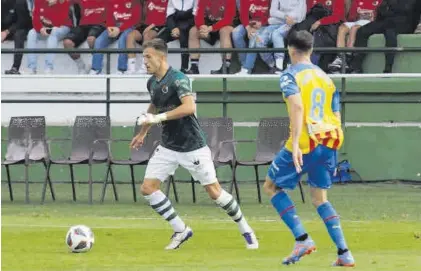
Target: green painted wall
x=377 y=153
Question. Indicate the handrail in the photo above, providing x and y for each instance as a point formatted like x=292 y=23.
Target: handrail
x=206 y=76
x=208 y=50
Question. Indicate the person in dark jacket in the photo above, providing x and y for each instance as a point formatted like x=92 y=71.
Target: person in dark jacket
x=179 y=21
x=393 y=17
x=18 y=22
x=8 y=19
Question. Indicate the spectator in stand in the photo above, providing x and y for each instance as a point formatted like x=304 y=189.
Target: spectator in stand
x=18 y=31
x=325 y=31
x=393 y=17
x=180 y=20
x=323 y=20
x=361 y=13
x=151 y=22
x=283 y=15
x=91 y=25
x=213 y=21
x=8 y=19
x=121 y=17
x=51 y=21
x=254 y=16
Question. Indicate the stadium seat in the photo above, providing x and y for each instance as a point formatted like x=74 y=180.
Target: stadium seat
x=405 y=62
x=89 y=140
x=140 y=156
x=219 y=137
x=27 y=145
x=218 y=132
x=272 y=134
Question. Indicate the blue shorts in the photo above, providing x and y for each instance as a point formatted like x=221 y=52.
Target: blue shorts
x=319 y=164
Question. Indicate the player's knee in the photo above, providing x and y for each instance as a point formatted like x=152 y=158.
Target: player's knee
x=67 y=43
x=269 y=187
x=317 y=201
x=213 y=190
x=148 y=188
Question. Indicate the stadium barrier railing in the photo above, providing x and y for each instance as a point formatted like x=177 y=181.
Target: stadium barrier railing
x=413 y=98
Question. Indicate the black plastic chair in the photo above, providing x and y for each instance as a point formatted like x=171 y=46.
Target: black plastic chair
x=140 y=156
x=26 y=145
x=90 y=146
x=272 y=135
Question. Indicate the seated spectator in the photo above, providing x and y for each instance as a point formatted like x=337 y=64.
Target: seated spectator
x=121 y=17
x=393 y=17
x=323 y=20
x=51 y=22
x=8 y=19
x=150 y=25
x=361 y=13
x=283 y=15
x=254 y=16
x=180 y=20
x=91 y=25
x=18 y=31
x=213 y=21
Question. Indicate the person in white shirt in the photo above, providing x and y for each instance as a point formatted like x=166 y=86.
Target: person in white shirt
x=283 y=15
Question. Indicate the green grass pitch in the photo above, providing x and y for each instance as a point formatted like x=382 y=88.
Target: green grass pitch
x=382 y=223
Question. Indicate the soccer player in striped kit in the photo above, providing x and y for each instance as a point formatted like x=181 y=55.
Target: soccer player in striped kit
x=313 y=106
x=183 y=143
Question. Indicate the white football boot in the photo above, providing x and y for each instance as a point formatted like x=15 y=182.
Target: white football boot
x=251 y=240
x=179 y=237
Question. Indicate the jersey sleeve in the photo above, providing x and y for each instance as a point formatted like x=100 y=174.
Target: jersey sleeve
x=336 y=101
x=182 y=85
x=288 y=85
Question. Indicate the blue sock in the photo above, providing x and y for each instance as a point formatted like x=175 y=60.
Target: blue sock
x=333 y=224
x=286 y=210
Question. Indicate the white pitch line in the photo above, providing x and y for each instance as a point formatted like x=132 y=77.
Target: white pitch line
x=12 y=225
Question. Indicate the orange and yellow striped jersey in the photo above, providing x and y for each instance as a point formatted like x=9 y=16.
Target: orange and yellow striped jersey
x=320 y=100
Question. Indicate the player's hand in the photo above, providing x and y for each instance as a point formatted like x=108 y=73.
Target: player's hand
x=137 y=141
x=113 y=31
x=297 y=157
x=290 y=20
x=149 y=119
x=175 y=33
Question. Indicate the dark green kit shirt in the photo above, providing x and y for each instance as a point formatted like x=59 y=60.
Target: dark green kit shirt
x=181 y=135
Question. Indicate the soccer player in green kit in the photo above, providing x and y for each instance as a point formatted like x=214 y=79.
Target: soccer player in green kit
x=183 y=143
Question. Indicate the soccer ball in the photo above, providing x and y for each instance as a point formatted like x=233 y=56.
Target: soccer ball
x=79 y=238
